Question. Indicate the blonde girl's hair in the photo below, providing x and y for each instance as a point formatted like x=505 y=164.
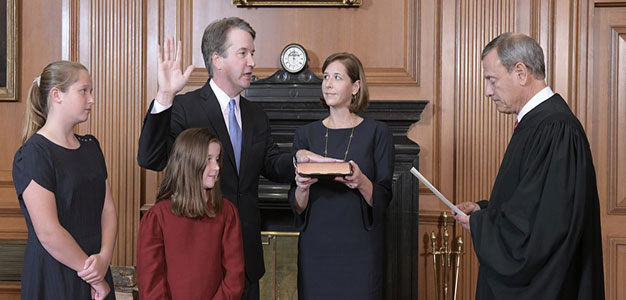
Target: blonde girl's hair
x=182 y=182
x=59 y=74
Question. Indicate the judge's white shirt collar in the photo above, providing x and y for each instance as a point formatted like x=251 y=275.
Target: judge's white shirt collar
x=537 y=99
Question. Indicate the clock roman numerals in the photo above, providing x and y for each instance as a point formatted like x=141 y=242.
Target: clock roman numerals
x=293 y=58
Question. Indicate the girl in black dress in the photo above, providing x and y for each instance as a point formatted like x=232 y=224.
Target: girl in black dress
x=61 y=182
x=341 y=241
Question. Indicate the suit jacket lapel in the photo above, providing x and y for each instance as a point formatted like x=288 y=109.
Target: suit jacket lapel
x=247 y=132
x=212 y=108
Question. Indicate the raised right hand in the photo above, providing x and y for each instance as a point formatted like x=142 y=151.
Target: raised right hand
x=170 y=77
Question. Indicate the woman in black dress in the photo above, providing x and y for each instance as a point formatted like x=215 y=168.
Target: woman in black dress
x=61 y=183
x=341 y=220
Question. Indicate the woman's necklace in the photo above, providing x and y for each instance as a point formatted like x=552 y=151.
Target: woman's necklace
x=349 y=142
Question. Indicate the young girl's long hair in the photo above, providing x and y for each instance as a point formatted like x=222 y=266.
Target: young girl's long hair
x=59 y=74
x=182 y=181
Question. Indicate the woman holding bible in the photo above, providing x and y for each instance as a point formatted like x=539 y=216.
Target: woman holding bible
x=341 y=219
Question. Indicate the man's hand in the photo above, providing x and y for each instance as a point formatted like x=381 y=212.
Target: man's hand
x=468 y=208
x=170 y=77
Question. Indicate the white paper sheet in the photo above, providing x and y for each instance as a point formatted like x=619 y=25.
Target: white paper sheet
x=435 y=191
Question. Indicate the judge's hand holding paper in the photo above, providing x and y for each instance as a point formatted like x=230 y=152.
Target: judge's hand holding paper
x=455 y=210
x=460 y=212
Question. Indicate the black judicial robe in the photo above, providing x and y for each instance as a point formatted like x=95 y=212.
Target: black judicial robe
x=539 y=235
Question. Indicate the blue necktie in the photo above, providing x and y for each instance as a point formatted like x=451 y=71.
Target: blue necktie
x=235 y=132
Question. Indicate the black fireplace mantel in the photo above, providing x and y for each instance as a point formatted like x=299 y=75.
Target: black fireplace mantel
x=293 y=100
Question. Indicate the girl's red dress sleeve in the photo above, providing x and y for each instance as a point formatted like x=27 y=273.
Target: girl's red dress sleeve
x=232 y=284
x=151 y=259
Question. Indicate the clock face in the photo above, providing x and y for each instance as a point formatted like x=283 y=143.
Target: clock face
x=293 y=58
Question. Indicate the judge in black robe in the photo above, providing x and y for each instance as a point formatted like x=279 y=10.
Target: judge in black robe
x=538 y=236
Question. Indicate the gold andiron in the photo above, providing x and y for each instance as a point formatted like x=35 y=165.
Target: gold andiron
x=448 y=268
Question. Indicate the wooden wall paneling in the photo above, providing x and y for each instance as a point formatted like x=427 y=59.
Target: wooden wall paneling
x=110 y=43
x=582 y=37
x=560 y=51
x=616 y=192
x=606 y=107
x=10 y=291
x=12 y=223
x=392 y=57
x=446 y=113
x=38 y=27
x=481 y=132
x=153 y=35
x=38 y=32
x=69 y=29
x=616 y=268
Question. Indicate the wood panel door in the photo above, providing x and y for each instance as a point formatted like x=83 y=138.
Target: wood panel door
x=606 y=128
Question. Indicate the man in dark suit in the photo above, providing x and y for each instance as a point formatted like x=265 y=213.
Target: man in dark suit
x=242 y=127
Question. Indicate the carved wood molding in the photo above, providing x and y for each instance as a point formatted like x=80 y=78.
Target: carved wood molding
x=408 y=75
x=12 y=225
x=69 y=29
x=616 y=201
x=608 y=3
x=10 y=287
x=6 y=177
x=341 y=3
x=616 y=246
x=434 y=218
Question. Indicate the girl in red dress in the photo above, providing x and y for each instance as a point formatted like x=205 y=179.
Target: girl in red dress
x=190 y=244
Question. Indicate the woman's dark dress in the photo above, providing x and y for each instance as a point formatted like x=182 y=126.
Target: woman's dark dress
x=78 y=180
x=341 y=241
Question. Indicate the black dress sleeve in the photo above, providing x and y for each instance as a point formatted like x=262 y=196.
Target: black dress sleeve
x=299 y=142
x=542 y=223
x=384 y=159
x=33 y=162
x=100 y=156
